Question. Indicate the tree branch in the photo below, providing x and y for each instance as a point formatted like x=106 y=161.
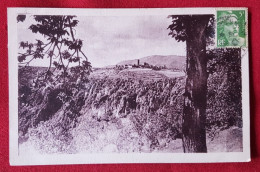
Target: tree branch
x=50 y=61
x=84 y=55
x=27 y=63
x=71 y=31
x=78 y=56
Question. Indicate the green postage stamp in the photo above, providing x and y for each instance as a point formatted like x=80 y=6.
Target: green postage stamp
x=154 y=85
x=231 y=28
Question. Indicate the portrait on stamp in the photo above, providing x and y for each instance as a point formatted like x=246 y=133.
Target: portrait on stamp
x=117 y=86
x=231 y=28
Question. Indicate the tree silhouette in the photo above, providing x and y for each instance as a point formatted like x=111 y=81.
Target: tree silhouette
x=44 y=91
x=197 y=31
x=60 y=46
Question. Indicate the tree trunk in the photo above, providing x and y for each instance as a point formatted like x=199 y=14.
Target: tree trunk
x=195 y=100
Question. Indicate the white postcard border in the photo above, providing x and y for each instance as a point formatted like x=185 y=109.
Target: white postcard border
x=104 y=158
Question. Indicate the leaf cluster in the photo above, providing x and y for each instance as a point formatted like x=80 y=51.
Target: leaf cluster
x=224 y=98
x=59 y=46
x=182 y=24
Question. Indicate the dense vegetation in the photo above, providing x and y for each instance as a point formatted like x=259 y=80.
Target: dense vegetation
x=65 y=108
x=146 y=114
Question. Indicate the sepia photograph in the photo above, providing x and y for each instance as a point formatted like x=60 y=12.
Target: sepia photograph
x=132 y=84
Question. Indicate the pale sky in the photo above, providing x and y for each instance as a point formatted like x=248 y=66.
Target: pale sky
x=110 y=40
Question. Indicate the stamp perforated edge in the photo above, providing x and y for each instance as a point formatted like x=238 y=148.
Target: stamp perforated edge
x=246 y=26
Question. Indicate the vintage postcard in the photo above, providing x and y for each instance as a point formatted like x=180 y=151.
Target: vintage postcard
x=91 y=86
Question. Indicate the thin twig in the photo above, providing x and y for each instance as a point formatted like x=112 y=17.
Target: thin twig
x=84 y=55
x=71 y=31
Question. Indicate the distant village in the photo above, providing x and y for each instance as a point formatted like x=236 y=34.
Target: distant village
x=138 y=65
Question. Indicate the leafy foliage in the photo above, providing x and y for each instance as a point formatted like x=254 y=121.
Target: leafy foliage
x=224 y=107
x=55 y=87
x=59 y=46
x=54 y=102
x=20 y=18
x=181 y=23
x=153 y=110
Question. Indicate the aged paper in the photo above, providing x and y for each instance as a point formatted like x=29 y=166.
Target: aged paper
x=128 y=85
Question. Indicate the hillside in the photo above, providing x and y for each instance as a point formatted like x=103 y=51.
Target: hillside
x=136 y=74
x=171 y=61
x=123 y=110
x=107 y=114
